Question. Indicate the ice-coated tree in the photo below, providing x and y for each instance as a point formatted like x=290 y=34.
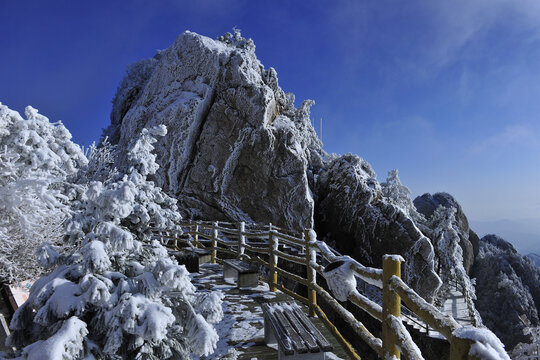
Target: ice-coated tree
x=118 y=295
x=36 y=156
x=100 y=165
x=399 y=195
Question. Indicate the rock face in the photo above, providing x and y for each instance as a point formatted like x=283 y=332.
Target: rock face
x=507 y=289
x=427 y=204
x=447 y=226
x=237 y=147
x=353 y=215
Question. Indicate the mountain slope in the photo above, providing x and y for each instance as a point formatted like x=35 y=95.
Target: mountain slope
x=509 y=284
x=535 y=258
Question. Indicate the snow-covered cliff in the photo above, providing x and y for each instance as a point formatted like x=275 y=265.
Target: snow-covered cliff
x=237 y=147
x=509 y=284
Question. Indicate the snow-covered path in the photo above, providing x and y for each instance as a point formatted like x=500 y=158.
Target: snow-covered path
x=241 y=331
x=456 y=306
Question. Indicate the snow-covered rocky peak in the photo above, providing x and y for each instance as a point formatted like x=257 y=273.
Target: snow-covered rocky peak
x=233 y=131
x=428 y=204
x=507 y=283
x=238 y=149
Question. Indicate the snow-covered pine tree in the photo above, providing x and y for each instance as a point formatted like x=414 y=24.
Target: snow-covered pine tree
x=36 y=156
x=100 y=166
x=400 y=195
x=119 y=295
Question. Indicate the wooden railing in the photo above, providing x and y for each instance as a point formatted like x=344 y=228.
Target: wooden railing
x=265 y=245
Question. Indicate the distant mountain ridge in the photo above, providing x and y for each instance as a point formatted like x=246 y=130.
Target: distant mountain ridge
x=524 y=234
x=535 y=258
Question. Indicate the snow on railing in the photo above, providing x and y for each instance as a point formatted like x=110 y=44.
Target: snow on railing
x=265 y=245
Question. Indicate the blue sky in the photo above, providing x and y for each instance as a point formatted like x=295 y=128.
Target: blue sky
x=446 y=92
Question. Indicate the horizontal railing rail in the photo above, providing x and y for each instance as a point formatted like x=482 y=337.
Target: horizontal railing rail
x=268 y=245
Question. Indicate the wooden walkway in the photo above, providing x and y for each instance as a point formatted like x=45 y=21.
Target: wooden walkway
x=242 y=329
x=456 y=306
x=276 y=251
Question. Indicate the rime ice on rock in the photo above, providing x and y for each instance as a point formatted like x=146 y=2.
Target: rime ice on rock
x=232 y=131
x=363 y=219
x=239 y=149
x=507 y=283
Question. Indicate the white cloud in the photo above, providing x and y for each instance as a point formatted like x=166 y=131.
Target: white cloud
x=424 y=37
x=510 y=136
x=460 y=23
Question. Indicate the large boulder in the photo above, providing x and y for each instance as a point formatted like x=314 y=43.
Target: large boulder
x=237 y=148
x=507 y=290
x=352 y=214
x=427 y=204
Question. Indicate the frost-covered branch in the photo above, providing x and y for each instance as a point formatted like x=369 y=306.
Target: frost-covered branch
x=36 y=157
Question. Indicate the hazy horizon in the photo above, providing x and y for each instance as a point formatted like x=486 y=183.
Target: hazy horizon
x=524 y=234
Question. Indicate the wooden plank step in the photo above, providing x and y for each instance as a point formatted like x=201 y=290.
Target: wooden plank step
x=319 y=338
x=309 y=340
x=241 y=266
x=291 y=333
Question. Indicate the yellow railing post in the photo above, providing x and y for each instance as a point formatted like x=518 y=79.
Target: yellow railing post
x=311 y=273
x=196 y=237
x=214 y=242
x=241 y=238
x=175 y=240
x=459 y=348
x=167 y=238
x=273 y=259
x=391 y=305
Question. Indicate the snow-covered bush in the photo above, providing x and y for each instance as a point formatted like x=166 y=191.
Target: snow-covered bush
x=100 y=166
x=121 y=292
x=36 y=156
